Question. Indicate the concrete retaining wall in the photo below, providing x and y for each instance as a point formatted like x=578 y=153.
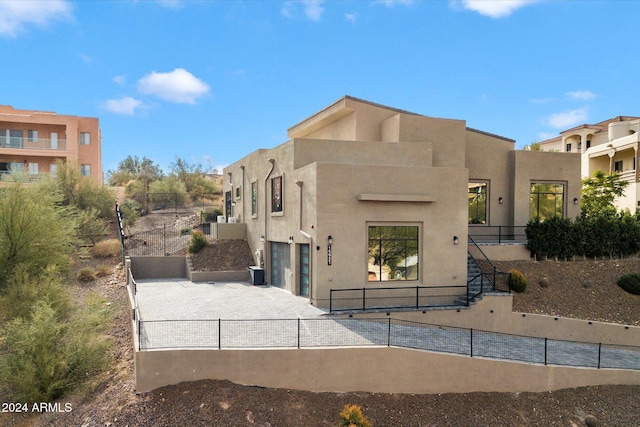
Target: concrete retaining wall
x=384 y=370
x=218 y=276
x=158 y=267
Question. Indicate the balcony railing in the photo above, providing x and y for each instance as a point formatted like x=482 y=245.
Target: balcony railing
x=23 y=177
x=629 y=176
x=32 y=144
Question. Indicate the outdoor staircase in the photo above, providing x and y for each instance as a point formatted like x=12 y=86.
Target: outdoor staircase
x=475 y=280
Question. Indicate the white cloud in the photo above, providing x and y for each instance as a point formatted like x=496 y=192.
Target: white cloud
x=126 y=106
x=85 y=58
x=351 y=17
x=567 y=119
x=583 y=95
x=178 y=86
x=120 y=80
x=495 y=8
x=312 y=9
x=546 y=135
x=16 y=15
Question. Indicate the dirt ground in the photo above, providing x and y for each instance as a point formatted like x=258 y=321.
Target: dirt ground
x=575 y=289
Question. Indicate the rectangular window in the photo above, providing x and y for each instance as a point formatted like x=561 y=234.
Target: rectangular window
x=588 y=144
x=85 y=170
x=617 y=166
x=254 y=199
x=32 y=135
x=85 y=138
x=33 y=169
x=477 y=202
x=393 y=253
x=568 y=148
x=53 y=170
x=15 y=138
x=238 y=192
x=546 y=200
x=276 y=194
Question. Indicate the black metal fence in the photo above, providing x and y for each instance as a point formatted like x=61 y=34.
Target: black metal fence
x=380 y=332
x=415 y=297
x=498 y=233
x=175 y=203
x=166 y=240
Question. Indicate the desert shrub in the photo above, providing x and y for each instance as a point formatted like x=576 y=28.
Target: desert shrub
x=86 y=274
x=103 y=270
x=517 y=281
x=130 y=211
x=198 y=242
x=185 y=230
x=351 y=415
x=44 y=357
x=107 y=248
x=25 y=289
x=630 y=283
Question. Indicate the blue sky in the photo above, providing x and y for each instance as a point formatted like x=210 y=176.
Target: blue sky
x=212 y=81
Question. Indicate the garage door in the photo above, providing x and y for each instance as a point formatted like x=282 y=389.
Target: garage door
x=280 y=265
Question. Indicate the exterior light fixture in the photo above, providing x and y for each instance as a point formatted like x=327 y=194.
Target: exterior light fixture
x=290 y=240
x=500 y=200
x=330 y=240
x=456 y=240
x=575 y=200
x=262 y=238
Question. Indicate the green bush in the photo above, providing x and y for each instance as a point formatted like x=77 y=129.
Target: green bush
x=211 y=215
x=45 y=357
x=198 y=242
x=630 y=283
x=86 y=274
x=351 y=415
x=517 y=281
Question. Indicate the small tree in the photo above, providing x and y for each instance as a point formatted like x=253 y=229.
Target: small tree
x=599 y=192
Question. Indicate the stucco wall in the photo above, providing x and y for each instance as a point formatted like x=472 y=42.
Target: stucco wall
x=158 y=267
x=385 y=370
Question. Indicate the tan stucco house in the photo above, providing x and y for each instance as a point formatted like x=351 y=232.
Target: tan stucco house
x=32 y=141
x=610 y=145
x=365 y=196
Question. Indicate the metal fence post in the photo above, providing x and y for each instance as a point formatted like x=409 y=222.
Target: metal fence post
x=545 y=351
x=219 y=334
x=330 y=300
x=389 y=333
x=298 y=333
x=599 y=353
x=417 y=297
x=471 y=341
x=164 y=239
x=364 y=304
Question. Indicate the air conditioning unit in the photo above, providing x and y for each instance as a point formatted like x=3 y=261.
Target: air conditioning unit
x=220 y=219
x=232 y=220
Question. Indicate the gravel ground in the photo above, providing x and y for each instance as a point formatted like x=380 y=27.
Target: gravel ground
x=584 y=289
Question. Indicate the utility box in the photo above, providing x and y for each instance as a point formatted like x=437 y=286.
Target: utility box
x=256 y=275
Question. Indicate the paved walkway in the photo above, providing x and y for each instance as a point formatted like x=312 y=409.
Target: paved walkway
x=182 y=314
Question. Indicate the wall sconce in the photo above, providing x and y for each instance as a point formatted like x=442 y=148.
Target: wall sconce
x=500 y=200
x=456 y=240
x=262 y=238
x=575 y=200
x=330 y=240
x=291 y=240
x=233 y=203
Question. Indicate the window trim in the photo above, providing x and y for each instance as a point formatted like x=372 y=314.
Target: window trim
x=88 y=138
x=420 y=249
x=487 y=184
x=564 y=201
x=254 y=199
x=87 y=167
x=274 y=208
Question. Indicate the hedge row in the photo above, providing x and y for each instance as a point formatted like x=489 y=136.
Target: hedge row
x=616 y=235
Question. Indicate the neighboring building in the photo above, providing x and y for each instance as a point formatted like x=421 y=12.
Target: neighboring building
x=32 y=141
x=368 y=196
x=611 y=145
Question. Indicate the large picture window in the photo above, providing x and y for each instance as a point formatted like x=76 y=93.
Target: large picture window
x=276 y=194
x=477 y=202
x=546 y=200
x=393 y=253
